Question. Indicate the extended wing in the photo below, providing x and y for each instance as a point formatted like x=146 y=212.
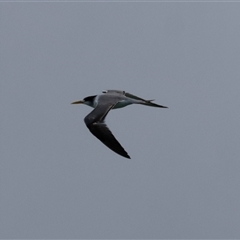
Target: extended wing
x=95 y=123
x=145 y=102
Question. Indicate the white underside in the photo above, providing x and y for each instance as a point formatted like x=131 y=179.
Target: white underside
x=122 y=104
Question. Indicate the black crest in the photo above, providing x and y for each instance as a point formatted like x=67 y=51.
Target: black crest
x=89 y=99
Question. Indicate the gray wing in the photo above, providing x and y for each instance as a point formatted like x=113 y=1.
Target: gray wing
x=135 y=97
x=120 y=92
x=95 y=123
x=129 y=95
x=146 y=102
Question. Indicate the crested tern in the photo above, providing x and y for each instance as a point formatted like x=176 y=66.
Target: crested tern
x=102 y=104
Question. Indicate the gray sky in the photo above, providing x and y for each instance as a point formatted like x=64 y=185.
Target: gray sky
x=59 y=181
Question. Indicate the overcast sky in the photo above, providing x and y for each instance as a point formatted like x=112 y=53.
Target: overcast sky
x=58 y=181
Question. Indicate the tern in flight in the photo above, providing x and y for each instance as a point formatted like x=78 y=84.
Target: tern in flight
x=102 y=104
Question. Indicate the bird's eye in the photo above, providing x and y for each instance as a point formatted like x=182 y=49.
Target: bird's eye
x=104 y=91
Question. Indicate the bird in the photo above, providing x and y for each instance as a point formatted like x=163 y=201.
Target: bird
x=102 y=104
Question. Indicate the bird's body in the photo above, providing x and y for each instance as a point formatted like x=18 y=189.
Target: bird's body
x=102 y=104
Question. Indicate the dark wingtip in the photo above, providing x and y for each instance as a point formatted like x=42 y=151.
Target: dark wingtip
x=124 y=155
x=161 y=106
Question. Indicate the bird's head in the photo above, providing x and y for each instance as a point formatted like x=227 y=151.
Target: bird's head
x=87 y=101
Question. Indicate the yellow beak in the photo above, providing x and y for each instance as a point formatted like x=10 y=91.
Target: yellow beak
x=78 y=102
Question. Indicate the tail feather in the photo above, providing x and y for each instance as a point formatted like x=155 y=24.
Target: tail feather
x=151 y=104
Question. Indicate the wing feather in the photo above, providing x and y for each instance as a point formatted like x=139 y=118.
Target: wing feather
x=146 y=102
x=103 y=133
x=95 y=123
